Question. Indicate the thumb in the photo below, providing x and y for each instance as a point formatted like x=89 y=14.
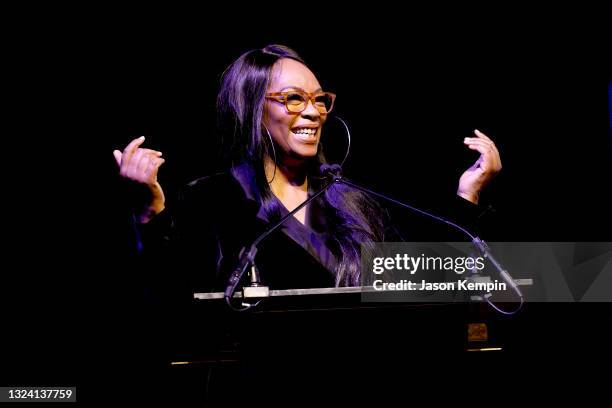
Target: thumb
x=117 y=155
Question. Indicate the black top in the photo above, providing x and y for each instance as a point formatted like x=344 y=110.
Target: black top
x=312 y=236
x=195 y=245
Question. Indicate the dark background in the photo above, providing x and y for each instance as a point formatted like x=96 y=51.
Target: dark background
x=410 y=85
x=409 y=100
x=410 y=88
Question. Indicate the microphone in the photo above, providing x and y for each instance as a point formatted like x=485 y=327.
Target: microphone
x=246 y=257
x=328 y=169
x=334 y=170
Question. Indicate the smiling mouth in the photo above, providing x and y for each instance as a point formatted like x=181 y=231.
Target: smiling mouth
x=306 y=135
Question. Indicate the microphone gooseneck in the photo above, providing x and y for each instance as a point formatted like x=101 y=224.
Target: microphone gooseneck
x=478 y=243
x=246 y=258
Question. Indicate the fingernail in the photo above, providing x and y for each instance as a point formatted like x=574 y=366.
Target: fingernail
x=141 y=137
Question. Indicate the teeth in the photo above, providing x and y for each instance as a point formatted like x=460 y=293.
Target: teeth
x=305 y=131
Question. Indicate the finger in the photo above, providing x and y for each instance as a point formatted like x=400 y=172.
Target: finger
x=151 y=151
x=144 y=161
x=132 y=169
x=483 y=150
x=476 y=165
x=154 y=166
x=129 y=151
x=482 y=135
x=494 y=154
x=489 y=160
x=141 y=167
x=117 y=155
x=479 y=140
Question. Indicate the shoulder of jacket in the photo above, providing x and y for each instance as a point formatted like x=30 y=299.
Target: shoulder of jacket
x=208 y=181
x=219 y=185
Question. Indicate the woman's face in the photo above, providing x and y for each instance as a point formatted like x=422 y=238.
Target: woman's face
x=297 y=134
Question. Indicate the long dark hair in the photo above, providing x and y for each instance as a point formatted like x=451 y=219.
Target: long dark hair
x=354 y=219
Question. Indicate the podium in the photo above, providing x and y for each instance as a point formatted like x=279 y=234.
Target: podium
x=307 y=340
x=310 y=324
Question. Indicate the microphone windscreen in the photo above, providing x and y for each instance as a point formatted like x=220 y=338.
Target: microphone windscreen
x=330 y=169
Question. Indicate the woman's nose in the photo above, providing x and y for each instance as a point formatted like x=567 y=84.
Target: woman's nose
x=311 y=112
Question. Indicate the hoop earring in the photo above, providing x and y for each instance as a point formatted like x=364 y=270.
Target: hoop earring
x=348 y=144
x=273 y=153
x=348 y=138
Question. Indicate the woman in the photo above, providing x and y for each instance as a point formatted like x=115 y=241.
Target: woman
x=273 y=109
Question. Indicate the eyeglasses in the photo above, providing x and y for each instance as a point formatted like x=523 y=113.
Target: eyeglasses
x=296 y=101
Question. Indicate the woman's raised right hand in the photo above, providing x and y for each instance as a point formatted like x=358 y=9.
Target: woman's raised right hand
x=140 y=166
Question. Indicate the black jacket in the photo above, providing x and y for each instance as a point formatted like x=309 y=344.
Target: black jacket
x=194 y=246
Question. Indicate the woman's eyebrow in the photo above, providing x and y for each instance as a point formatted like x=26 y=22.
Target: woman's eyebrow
x=297 y=88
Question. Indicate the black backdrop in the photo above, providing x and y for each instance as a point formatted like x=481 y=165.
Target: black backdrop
x=411 y=91
x=409 y=100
